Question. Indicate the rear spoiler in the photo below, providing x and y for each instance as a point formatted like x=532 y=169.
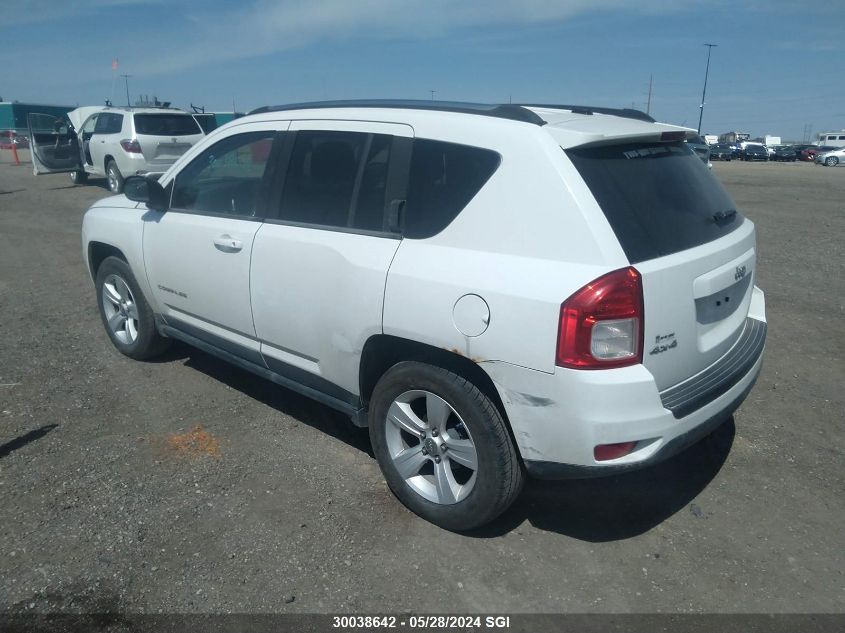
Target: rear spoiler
x=587 y=132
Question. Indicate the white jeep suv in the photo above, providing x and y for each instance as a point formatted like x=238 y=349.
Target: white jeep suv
x=496 y=291
x=113 y=142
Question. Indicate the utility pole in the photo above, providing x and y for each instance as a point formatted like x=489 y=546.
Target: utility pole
x=704 y=92
x=432 y=94
x=126 y=80
x=648 y=104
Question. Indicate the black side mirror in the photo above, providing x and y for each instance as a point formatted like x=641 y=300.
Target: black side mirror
x=147 y=190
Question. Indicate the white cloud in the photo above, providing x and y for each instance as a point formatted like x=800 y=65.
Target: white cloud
x=265 y=26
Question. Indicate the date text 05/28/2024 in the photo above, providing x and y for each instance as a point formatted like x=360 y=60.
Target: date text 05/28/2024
x=438 y=622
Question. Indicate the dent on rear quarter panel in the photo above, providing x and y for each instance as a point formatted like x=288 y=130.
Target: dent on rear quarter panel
x=527 y=403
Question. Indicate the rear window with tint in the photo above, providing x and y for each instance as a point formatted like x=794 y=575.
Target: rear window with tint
x=444 y=178
x=659 y=198
x=166 y=125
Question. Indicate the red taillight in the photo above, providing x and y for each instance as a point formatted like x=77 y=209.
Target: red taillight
x=604 y=452
x=601 y=325
x=131 y=146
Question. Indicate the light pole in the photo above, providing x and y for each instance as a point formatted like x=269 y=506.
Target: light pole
x=704 y=92
x=126 y=80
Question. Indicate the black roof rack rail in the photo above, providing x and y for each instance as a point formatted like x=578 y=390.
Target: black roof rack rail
x=627 y=113
x=501 y=111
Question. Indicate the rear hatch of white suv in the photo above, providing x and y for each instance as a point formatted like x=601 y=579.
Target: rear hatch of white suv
x=697 y=259
x=165 y=136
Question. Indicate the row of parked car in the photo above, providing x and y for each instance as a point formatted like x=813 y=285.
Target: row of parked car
x=824 y=155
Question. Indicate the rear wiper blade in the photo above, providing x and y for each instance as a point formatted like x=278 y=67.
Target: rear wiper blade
x=724 y=216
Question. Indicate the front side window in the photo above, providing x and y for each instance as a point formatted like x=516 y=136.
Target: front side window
x=90 y=123
x=226 y=178
x=337 y=179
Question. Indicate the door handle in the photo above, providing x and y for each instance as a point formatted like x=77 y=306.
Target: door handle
x=228 y=244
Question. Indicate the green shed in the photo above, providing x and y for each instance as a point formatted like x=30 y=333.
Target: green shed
x=13 y=115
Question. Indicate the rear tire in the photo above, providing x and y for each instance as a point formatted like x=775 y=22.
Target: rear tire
x=126 y=315
x=114 y=177
x=831 y=161
x=78 y=177
x=417 y=409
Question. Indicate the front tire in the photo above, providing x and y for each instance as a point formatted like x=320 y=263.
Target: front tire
x=114 y=177
x=125 y=313
x=831 y=161
x=443 y=446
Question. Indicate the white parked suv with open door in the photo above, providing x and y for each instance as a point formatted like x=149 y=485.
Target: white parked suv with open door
x=113 y=142
x=495 y=291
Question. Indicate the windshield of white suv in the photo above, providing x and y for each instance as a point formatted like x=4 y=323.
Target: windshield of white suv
x=166 y=125
x=658 y=197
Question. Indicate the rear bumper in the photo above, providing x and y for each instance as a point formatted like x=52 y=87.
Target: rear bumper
x=554 y=470
x=558 y=419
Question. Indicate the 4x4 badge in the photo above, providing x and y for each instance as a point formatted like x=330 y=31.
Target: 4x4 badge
x=663 y=343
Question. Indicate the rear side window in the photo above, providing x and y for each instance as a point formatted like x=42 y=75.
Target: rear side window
x=443 y=178
x=337 y=179
x=108 y=123
x=166 y=125
x=658 y=197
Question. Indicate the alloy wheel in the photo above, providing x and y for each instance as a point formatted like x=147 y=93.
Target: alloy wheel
x=120 y=309
x=113 y=185
x=431 y=447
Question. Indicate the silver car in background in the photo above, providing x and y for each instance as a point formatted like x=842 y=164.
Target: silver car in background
x=832 y=158
x=112 y=142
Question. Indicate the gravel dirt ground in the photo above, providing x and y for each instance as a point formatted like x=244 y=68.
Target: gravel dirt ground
x=187 y=485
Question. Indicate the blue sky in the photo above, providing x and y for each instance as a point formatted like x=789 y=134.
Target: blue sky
x=780 y=65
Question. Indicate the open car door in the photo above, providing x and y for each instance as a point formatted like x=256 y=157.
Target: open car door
x=53 y=144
